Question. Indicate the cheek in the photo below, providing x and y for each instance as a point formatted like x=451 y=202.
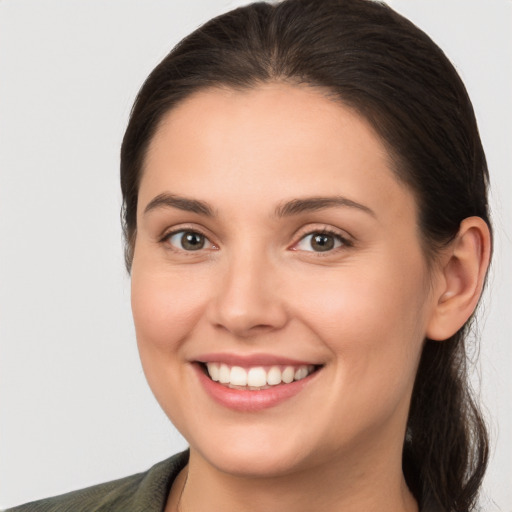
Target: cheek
x=373 y=327
x=351 y=299
x=165 y=306
x=371 y=321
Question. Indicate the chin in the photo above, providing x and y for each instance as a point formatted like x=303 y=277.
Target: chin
x=252 y=462
x=255 y=452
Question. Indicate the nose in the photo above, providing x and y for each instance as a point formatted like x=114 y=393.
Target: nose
x=248 y=300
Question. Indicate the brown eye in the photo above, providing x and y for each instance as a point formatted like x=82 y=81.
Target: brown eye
x=188 y=240
x=320 y=242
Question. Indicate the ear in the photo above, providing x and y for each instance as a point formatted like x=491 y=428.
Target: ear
x=462 y=276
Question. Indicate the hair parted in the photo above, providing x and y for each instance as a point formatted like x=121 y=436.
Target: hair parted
x=375 y=61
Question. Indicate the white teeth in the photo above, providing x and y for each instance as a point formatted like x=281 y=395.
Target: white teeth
x=256 y=377
x=301 y=373
x=213 y=370
x=224 y=374
x=274 y=376
x=238 y=376
x=288 y=375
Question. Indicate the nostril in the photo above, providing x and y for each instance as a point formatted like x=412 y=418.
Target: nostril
x=244 y=329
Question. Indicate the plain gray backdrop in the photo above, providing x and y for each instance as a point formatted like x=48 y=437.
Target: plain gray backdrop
x=75 y=409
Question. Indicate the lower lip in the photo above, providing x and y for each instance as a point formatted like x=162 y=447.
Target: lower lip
x=247 y=400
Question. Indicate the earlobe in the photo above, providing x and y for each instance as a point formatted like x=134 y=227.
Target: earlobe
x=461 y=280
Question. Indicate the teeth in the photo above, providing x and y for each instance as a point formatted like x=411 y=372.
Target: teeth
x=301 y=373
x=256 y=377
x=224 y=374
x=274 y=376
x=288 y=374
x=214 y=371
x=238 y=376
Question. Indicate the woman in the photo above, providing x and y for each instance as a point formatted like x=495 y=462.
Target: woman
x=308 y=236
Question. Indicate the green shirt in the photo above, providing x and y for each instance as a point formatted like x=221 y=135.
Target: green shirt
x=143 y=492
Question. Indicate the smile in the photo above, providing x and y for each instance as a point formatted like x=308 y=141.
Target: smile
x=257 y=377
x=254 y=383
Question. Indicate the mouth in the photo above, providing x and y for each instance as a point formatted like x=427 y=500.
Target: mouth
x=256 y=378
x=252 y=383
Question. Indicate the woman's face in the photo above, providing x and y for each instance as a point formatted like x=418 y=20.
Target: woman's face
x=274 y=242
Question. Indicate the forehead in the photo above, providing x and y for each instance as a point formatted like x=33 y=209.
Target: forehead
x=286 y=114
x=274 y=140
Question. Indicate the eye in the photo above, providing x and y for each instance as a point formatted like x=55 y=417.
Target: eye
x=320 y=242
x=188 y=240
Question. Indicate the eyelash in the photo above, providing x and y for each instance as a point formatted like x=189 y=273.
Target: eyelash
x=343 y=241
x=167 y=237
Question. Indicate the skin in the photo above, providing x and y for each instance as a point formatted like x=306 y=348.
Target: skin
x=361 y=310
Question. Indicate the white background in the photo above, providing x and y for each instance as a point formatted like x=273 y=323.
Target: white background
x=74 y=406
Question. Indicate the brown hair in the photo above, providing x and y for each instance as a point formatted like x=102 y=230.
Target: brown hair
x=377 y=62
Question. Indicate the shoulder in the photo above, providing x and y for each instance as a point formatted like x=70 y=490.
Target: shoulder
x=137 y=493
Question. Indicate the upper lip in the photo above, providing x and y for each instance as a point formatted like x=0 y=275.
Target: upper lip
x=250 y=359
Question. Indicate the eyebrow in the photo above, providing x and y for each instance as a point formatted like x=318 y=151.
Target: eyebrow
x=167 y=200
x=287 y=209
x=309 y=204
